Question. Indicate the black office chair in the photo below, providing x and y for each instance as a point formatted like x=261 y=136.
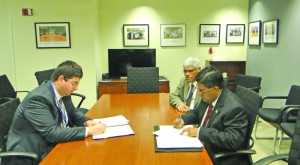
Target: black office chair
x=251 y=101
x=7 y=111
x=274 y=115
x=7 y=91
x=248 y=81
x=142 y=80
x=45 y=75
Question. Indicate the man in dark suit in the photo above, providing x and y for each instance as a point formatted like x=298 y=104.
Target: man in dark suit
x=184 y=97
x=224 y=129
x=42 y=120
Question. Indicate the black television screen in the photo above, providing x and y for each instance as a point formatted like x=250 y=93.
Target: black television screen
x=120 y=59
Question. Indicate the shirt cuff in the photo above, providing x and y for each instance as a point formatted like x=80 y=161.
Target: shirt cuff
x=86 y=131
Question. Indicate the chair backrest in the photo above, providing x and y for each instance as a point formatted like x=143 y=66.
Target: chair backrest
x=248 y=81
x=44 y=75
x=293 y=97
x=294 y=155
x=251 y=101
x=142 y=80
x=6 y=88
x=7 y=111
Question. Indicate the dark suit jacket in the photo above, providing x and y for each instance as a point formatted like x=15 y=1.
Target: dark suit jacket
x=36 y=123
x=226 y=128
x=180 y=93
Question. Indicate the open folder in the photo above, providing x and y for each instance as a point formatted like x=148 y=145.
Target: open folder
x=116 y=126
x=168 y=139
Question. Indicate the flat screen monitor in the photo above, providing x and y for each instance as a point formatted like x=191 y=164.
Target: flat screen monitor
x=120 y=59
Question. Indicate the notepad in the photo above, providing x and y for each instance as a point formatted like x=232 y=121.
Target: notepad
x=116 y=126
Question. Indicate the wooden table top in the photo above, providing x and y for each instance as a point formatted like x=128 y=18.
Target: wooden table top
x=143 y=111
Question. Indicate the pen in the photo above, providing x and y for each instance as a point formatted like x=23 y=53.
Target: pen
x=179 y=122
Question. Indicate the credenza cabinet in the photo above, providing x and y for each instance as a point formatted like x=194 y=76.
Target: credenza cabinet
x=119 y=86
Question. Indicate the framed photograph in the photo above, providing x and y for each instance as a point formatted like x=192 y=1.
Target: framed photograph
x=209 y=34
x=235 y=33
x=254 y=29
x=136 y=34
x=270 y=35
x=52 y=34
x=172 y=35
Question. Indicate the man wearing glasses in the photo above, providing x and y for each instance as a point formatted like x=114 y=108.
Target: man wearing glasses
x=45 y=117
x=220 y=115
x=185 y=96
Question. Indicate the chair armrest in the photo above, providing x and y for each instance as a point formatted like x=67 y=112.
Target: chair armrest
x=82 y=98
x=22 y=91
x=239 y=152
x=254 y=88
x=31 y=155
x=272 y=158
x=272 y=97
x=288 y=109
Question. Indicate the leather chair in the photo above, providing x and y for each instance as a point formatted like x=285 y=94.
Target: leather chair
x=45 y=75
x=274 y=115
x=142 y=80
x=251 y=101
x=7 y=111
x=7 y=91
x=248 y=81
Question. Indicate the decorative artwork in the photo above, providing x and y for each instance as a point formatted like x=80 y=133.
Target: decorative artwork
x=254 y=29
x=209 y=34
x=270 y=35
x=136 y=34
x=235 y=33
x=52 y=34
x=172 y=35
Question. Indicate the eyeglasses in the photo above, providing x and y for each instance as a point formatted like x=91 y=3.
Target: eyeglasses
x=204 y=91
x=74 y=84
x=189 y=71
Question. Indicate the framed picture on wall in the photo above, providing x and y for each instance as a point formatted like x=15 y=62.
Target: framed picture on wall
x=209 y=34
x=136 y=35
x=235 y=33
x=270 y=35
x=172 y=35
x=52 y=34
x=254 y=29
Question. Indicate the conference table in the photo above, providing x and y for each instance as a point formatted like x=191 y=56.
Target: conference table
x=143 y=111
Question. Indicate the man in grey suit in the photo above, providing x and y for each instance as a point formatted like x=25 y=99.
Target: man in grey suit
x=185 y=95
x=223 y=127
x=45 y=117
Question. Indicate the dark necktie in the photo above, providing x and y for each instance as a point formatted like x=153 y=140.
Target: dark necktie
x=210 y=108
x=190 y=95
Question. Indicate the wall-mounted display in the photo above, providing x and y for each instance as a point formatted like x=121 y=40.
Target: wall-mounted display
x=254 y=29
x=172 y=35
x=136 y=35
x=52 y=34
x=235 y=33
x=270 y=35
x=209 y=34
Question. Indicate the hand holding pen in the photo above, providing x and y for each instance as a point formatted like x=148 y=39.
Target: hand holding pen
x=178 y=123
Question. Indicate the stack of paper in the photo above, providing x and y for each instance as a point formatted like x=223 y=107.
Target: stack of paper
x=170 y=137
x=116 y=126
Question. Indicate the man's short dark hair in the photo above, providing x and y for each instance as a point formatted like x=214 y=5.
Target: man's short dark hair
x=210 y=77
x=68 y=69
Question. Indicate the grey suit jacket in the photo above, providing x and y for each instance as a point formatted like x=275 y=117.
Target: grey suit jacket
x=36 y=123
x=180 y=93
x=227 y=127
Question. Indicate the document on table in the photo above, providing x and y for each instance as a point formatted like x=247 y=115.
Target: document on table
x=116 y=126
x=169 y=137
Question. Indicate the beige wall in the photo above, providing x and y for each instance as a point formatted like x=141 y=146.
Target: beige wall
x=97 y=26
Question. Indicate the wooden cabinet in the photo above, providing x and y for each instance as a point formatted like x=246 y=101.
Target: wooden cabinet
x=231 y=68
x=117 y=86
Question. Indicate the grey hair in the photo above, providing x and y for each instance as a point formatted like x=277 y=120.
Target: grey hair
x=192 y=61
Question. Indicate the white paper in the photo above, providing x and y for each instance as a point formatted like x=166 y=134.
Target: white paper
x=169 y=137
x=113 y=121
x=115 y=131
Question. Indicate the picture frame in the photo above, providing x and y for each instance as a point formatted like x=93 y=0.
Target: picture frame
x=52 y=34
x=235 y=33
x=135 y=35
x=270 y=32
x=172 y=35
x=209 y=33
x=254 y=33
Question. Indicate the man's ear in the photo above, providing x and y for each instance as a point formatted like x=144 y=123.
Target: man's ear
x=61 y=79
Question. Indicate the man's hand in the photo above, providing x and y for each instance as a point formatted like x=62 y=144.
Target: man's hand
x=191 y=131
x=182 y=107
x=90 y=123
x=96 y=129
x=178 y=123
